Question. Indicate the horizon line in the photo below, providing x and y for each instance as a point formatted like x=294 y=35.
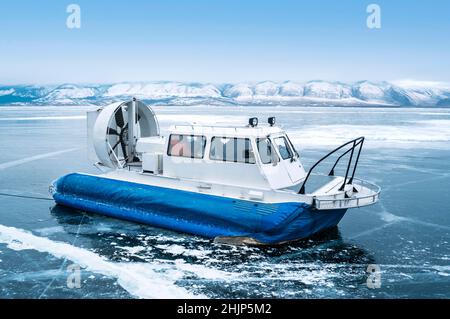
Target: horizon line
x=399 y=82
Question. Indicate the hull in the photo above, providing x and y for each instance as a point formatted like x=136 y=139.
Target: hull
x=195 y=213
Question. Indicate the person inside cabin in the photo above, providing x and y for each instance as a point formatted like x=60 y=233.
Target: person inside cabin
x=192 y=146
x=179 y=146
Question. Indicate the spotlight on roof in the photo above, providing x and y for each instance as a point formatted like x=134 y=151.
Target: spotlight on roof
x=271 y=120
x=253 y=121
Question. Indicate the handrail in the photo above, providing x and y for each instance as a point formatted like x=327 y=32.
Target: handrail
x=331 y=173
x=356 y=142
x=348 y=168
x=356 y=163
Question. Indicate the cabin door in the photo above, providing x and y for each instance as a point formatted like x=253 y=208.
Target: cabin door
x=272 y=168
x=289 y=159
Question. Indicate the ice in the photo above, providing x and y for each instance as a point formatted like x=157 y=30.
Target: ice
x=44 y=118
x=406 y=152
x=417 y=134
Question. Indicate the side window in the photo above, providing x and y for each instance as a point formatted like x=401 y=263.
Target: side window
x=283 y=147
x=192 y=146
x=265 y=150
x=232 y=149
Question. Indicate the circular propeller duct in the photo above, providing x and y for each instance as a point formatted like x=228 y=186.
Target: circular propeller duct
x=117 y=129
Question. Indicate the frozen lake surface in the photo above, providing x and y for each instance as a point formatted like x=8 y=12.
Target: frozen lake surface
x=407 y=234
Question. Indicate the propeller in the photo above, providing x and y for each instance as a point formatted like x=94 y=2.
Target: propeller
x=117 y=130
x=120 y=132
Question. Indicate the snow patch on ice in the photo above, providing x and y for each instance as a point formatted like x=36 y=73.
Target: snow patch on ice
x=442 y=270
x=204 y=272
x=180 y=250
x=133 y=250
x=139 y=279
x=390 y=218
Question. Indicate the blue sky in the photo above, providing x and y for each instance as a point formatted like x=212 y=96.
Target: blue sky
x=223 y=41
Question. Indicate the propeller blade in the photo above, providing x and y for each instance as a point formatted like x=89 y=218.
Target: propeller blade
x=115 y=145
x=113 y=148
x=124 y=148
x=119 y=118
x=112 y=131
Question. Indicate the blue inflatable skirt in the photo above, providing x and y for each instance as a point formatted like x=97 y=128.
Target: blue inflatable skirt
x=199 y=214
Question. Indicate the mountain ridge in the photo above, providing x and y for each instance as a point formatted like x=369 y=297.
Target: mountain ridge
x=311 y=93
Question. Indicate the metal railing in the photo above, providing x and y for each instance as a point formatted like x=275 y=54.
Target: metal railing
x=355 y=143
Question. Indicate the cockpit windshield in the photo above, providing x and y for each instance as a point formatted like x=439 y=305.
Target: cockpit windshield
x=292 y=146
x=283 y=147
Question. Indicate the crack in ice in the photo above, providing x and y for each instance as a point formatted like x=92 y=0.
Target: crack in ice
x=34 y=158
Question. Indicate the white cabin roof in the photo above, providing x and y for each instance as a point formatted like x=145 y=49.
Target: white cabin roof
x=224 y=130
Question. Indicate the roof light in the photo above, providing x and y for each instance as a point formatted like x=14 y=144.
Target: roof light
x=253 y=121
x=271 y=120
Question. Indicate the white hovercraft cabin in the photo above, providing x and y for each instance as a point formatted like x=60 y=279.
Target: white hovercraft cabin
x=235 y=156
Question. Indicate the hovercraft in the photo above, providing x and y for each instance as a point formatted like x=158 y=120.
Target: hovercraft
x=233 y=183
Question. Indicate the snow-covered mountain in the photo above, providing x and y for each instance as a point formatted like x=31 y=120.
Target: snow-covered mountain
x=364 y=93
